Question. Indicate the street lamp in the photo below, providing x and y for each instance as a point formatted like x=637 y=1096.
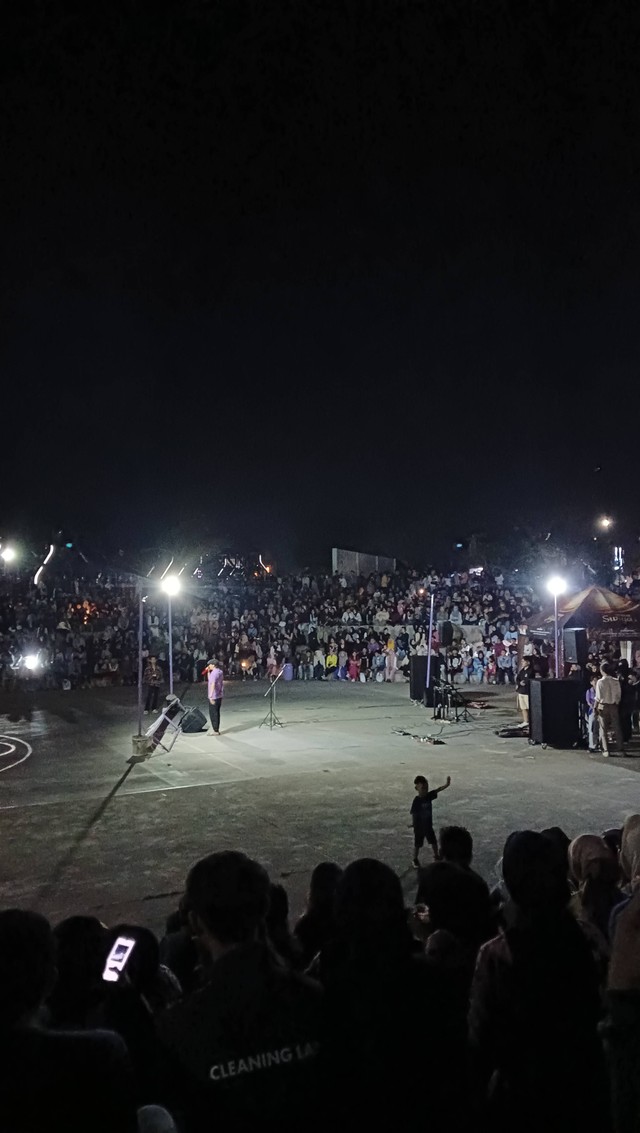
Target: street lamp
x=605 y=522
x=171 y=586
x=8 y=554
x=556 y=586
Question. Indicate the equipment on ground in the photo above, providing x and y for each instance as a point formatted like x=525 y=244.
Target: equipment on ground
x=554 y=712
x=193 y=721
x=417 y=677
x=271 y=718
x=165 y=730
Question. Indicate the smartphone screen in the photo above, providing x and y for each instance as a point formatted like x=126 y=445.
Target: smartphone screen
x=117 y=958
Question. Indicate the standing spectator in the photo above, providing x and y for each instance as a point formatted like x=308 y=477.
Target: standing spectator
x=607 y=705
x=523 y=681
x=627 y=699
x=152 y=678
x=227 y=1040
x=592 y=717
x=380 y=992
x=316 y=926
x=215 y=693
x=535 y=1004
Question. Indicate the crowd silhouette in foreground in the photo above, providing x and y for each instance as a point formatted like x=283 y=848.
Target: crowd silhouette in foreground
x=517 y=1008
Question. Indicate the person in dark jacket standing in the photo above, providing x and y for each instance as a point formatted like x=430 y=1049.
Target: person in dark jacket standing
x=535 y=1005
x=152 y=678
x=242 y=1049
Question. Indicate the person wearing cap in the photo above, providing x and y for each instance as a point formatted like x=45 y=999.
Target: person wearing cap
x=215 y=693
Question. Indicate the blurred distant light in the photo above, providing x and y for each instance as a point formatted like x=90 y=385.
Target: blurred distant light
x=69 y=546
x=49 y=555
x=605 y=522
x=31 y=662
x=458 y=546
x=8 y=554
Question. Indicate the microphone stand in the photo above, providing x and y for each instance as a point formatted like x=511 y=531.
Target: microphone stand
x=271 y=719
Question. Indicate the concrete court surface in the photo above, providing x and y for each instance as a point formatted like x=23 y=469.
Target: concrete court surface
x=83 y=830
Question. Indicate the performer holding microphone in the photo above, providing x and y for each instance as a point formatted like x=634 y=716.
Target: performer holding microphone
x=215 y=693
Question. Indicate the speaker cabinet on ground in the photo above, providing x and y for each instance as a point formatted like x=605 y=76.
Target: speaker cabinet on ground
x=576 y=646
x=417 y=677
x=554 y=712
x=194 y=721
x=446 y=634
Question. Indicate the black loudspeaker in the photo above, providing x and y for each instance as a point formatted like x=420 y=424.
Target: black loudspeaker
x=576 y=646
x=446 y=634
x=554 y=712
x=193 y=721
x=417 y=677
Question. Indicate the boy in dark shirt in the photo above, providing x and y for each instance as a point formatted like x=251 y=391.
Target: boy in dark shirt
x=422 y=816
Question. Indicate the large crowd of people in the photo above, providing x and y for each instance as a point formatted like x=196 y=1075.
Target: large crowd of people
x=516 y=1008
x=76 y=632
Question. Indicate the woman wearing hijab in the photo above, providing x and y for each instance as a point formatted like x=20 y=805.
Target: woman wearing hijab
x=595 y=872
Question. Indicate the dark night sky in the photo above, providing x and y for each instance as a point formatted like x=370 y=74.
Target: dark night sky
x=308 y=272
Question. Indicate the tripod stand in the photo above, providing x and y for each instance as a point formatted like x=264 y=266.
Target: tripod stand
x=271 y=719
x=447 y=699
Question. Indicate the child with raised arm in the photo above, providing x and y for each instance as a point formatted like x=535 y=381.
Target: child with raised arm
x=422 y=816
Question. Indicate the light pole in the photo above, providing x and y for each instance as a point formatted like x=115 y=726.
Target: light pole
x=171 y=586
x=141 y=601
x=556 y=586
x=428 y=685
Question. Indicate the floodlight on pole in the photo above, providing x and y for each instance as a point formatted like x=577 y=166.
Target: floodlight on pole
x=171 y=585
x=556 y=586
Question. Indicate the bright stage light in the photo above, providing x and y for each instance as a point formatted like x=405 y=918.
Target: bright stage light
x=31 y=662
x=171 y=585
x=8 y=554
x=556 y=586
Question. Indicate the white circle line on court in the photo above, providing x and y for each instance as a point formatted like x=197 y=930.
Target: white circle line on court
x=11 y=744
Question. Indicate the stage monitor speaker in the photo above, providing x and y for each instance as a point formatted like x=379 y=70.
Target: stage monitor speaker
x=446 y=634
x=194 y=721
x=554 y=712
x=576 y=646
x=417 y=677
